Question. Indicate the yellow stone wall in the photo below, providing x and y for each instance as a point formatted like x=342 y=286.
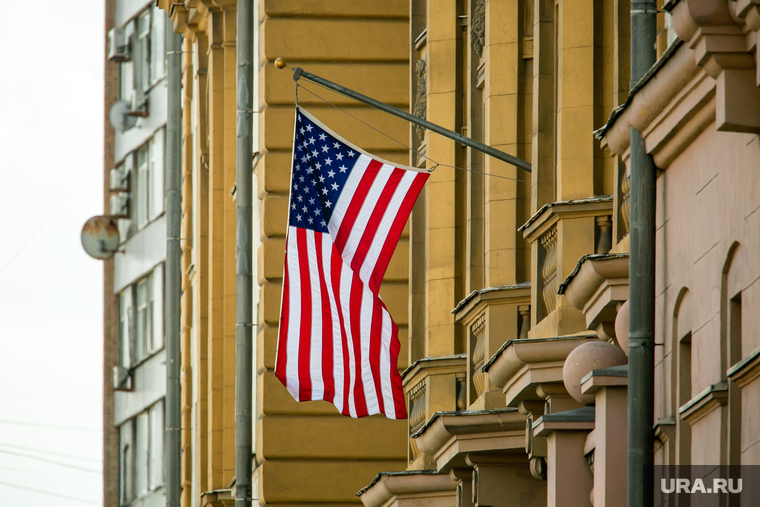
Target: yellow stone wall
x=306 y=453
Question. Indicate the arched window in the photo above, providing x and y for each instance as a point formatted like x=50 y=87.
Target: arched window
x=681 y=376
x=731 y=347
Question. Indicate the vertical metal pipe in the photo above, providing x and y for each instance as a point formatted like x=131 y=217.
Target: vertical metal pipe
x=642 y=271
x=173 y=265
x=244 y=257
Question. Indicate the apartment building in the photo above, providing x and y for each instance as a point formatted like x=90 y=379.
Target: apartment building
x=135 y=360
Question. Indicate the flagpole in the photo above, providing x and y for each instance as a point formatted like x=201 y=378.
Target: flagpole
x=299 y=73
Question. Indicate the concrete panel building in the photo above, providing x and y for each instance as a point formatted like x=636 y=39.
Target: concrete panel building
x=135 y=360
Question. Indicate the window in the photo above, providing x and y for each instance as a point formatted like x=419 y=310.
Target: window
x=147 y=188
x=148 y=63
x=141 y=325
x=126 y=463
x=141 y=454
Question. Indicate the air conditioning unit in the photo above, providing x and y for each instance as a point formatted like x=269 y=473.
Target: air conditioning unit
x=118 y=45
x=120 y=205
x=119 y=180
x=139 y=104
x=122 y=378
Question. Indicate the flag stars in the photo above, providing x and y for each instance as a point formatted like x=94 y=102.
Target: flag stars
x=335 y=186
x=322 y=136
x=336 y=145
x=325 y=149
x=312 y=140
x=300 y=198
x=293 y=206
x=309 y=127
x=330 y=173
x=324 y=191
x=302 y=130
x=328 y=161
x=342 y=168
x=318 y=166
x=328 y=204
x=351 y=153
x=298 y=217
x=321 y=179
x=311 y=201
x=311 y=220
x=339 y=156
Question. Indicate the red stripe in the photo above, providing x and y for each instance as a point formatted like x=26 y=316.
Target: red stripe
x=375 y=219
x=282 y=340
x=304 y=347
x=395 y=231
x=356 y=204
x=376 y=337
x=355 y=307
x=396 y=386
x=327 y=345
x=336 y=268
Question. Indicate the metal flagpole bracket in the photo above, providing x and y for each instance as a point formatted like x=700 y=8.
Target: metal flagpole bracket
x=299 y=73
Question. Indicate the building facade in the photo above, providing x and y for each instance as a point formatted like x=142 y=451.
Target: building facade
x=509 y=287
x=135 y=370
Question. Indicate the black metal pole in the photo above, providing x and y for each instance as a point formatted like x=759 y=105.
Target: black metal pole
x=299 y=73
x=244 y=258
x=642 y=270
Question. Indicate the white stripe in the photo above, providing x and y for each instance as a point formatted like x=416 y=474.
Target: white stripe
x=345 y=297
x=315 y=361
x=327 y=251
x=385 y=367
x=294 y=318
x=368 y=381
x=347 y=194
x=365 y=212
x=378 y=242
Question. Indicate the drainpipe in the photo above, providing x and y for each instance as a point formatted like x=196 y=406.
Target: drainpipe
x=173 y=265
x=243 y=257
x=642 y=270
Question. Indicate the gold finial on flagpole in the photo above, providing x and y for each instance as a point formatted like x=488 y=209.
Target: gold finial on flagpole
x=280 y=63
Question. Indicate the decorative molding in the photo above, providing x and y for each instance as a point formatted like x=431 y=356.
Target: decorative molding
x=420 y=100
x=478 y=27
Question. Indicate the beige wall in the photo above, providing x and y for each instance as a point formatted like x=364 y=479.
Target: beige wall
x=707 y=244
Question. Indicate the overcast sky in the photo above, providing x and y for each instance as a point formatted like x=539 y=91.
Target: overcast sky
x=51 y=150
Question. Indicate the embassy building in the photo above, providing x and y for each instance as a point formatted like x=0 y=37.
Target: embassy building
x=509 y=288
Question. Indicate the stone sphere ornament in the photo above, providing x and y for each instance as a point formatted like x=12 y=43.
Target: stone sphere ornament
x=585 y=358
x=621 y=327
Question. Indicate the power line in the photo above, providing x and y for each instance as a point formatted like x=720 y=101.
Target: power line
x=36 y=395
x=48 y=472
x=53 y=426
x=45 y=221
x=49 y=493
x=45 y=451
x=67 y=465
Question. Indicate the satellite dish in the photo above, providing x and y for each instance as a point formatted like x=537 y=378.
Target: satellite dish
x=119 y=116
x=100 y=237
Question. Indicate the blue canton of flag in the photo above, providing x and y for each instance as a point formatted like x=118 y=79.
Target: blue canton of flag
x=321 y=165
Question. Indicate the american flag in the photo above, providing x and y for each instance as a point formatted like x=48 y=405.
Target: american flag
x=337 y=341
